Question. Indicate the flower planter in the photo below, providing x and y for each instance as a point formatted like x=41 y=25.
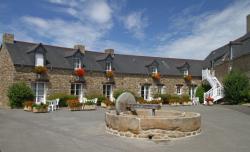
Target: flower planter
x=89 y=107
x=35 y=110
x=27 y=108
x=110 y=107
x=75 y=108
x=103 y=105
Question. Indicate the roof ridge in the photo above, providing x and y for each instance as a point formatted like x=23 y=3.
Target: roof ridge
x=71 y=49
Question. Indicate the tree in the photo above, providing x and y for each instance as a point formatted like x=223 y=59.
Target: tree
x=236 y=86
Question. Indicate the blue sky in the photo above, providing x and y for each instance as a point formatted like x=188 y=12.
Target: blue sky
x=165 y=28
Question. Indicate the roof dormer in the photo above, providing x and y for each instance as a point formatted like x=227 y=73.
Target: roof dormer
x=39 y=54
x=153 y=67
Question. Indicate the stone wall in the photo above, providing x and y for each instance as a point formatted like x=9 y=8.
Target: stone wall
x=239 y=64
x=59 y=81
x=7 y=74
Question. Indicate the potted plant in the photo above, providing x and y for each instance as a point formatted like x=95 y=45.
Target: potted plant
x=28 y=106
x=209 y=100
x=188 y=78
x=39 y=70
x=80 y=72
x=40 y=108
x=156 y=76
x=89 y=105
x=74 y=105
x=109 y=74
x=109 y=104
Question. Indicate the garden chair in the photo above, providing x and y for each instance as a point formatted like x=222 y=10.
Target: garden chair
x=195 y=101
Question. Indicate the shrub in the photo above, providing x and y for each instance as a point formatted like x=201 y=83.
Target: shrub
x=174 y=99
x=18 y=93
x=164 y=97
x=200 y=93
x=236 y=86
x=63 y=97
x=185 y=98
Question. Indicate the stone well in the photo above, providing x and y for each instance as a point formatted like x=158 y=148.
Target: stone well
x=164 y=125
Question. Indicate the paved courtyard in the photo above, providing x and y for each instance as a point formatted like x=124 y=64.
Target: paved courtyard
x=224 y=128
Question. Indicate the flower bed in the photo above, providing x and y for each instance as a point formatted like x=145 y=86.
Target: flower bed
x=74 y=105
x=28 y=106
x=40 y=108
x=209 y=100
x=89 y=105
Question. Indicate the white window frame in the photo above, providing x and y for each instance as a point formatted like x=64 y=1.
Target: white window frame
x=108 y=91
x=160 y=89
x=178 y=89
x=145 y=92
x=36 y=91
x=154 y=69
x=73 y=91
x=77 y=63
x=39 y=59
x=108 y=66
x=185 y=72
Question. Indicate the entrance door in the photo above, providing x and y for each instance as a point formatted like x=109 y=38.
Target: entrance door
x=77 y=90
x=145 y=92
x=108 y=91
x=39 y=89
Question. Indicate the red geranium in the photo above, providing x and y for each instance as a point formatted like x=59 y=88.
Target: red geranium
x=209 y=98
x=156 y=76
x=80 y=72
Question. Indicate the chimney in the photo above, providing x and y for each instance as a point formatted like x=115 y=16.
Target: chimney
x=110 y=51
x=80 y=47
x=8 y=38
x=248 y=23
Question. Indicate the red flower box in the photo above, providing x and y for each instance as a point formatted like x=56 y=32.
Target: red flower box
x=156 y=76
x=80 y=72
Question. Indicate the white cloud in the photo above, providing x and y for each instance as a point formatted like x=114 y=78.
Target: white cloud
x=60 y=32
x=208 y=32
x=99 y=11
x=136 y=23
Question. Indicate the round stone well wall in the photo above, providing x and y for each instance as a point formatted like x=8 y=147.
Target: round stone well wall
x=164 y=125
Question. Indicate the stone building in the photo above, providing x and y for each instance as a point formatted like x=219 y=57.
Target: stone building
x=233 y=56
x=134 y=73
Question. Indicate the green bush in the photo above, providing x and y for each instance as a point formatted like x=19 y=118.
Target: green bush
x=18 y=93
x=200 y=93
x=185 y=98
x=236 y=86
x=164 y=97
x=174 y=99
x=63 y=97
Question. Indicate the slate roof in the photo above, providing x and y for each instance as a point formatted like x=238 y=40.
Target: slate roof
x=130 y=64
x=223 y=53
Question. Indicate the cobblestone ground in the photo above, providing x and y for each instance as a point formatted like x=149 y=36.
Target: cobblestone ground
x=224 y=128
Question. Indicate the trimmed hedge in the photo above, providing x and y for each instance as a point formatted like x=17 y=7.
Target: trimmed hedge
x=18 y=93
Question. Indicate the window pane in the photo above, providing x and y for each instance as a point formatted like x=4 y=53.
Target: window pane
x=39 y=59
